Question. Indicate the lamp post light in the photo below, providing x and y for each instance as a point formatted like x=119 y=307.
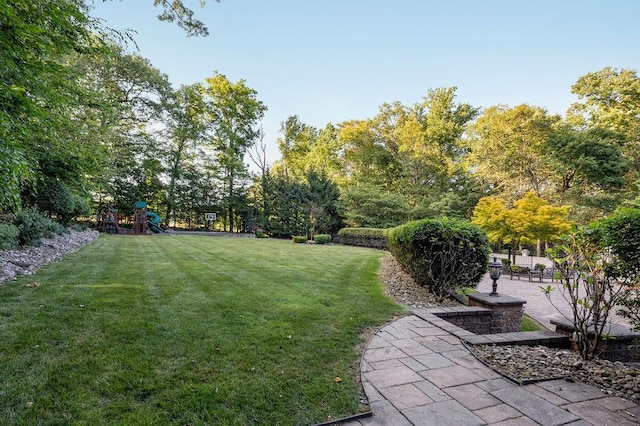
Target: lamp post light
x=495 y=268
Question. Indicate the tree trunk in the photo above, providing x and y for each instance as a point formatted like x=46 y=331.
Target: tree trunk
x=230 y=211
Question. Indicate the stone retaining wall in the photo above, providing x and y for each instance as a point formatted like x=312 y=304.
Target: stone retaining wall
x=506 y=311
x=474 y=319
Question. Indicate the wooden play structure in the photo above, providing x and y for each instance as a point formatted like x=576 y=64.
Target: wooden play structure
x=143 y=221
x=140 y=219
x=108 y=220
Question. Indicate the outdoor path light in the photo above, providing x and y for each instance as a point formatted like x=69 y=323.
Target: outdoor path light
x=495 y=268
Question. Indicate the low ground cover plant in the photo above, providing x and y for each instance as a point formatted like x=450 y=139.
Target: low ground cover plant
x=33 y=225
x=189 y=330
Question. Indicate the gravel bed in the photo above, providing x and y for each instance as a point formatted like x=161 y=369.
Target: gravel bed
x=526 y=364
x=521 y=363
x=403 y=289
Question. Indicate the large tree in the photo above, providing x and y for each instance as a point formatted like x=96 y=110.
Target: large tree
x=590 y=171
x=186 y=130
x=233 y=112
x=610 y=99
x=126 y=116
x=506 y=149
x=415 y=151
x=36 y=88
x=295 y=143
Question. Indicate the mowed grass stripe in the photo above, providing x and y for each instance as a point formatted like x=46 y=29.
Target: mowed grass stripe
x=188 y=330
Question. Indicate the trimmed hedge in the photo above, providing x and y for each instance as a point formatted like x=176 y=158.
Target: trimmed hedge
x=322 y=238
x=364 y=237
x=299 y=239
x=441 y=254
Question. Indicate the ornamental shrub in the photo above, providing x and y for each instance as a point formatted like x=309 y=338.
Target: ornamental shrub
x=60 y=201
x=8 y=236
x=589 y=284
x=33 y=225
x=621 y=234
x=299 y=239
x=322 y=238
x=260 y=234
x=441 y=254
x=363 y=237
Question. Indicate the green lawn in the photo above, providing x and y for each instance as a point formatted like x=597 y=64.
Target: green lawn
x=189 y=330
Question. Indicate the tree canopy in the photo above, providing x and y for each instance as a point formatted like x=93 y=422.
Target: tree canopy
x=86 y=122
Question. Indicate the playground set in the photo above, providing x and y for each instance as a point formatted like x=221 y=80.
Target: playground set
x=144 y=222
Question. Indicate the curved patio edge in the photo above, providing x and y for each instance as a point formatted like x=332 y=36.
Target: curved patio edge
x=417 y=373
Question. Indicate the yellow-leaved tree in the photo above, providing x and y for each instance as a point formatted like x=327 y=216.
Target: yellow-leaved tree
x=531 y=220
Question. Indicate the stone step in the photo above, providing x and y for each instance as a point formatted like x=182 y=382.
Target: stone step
x=542 y=337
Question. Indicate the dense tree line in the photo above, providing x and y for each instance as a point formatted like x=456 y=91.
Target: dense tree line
x=84 y=122
x=440 y=158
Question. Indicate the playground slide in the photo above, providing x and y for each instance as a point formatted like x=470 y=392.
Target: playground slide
x=155 y=228
x=153 y=222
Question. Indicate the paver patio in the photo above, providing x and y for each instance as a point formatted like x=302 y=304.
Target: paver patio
x=416 y=373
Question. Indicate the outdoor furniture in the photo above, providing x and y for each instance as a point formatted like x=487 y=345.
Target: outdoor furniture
x=549 y=273
x=518 y=271
x=537 y=272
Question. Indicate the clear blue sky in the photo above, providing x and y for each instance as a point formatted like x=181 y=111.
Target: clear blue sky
x=334 y=60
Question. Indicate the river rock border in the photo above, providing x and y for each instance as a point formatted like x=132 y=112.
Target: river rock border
x=26 y=260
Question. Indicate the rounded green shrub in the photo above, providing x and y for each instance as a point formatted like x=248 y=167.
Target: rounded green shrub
x=33 y=225
x=539 y=267
x=299 y=239
x=8 y=236
x=261 y=234
x=322 y=238
x=441 y=254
